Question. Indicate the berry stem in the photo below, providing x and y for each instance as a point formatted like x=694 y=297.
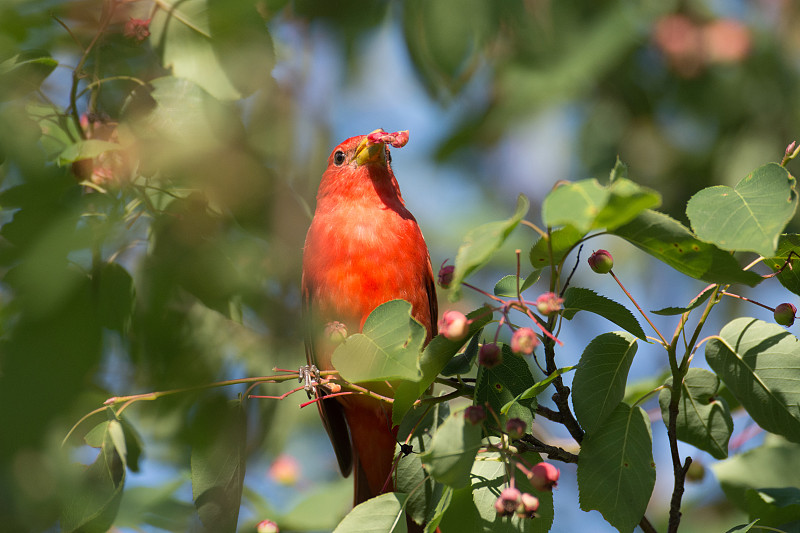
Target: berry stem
x=621 y=286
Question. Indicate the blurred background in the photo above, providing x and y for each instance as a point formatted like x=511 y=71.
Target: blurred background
x=159 y=162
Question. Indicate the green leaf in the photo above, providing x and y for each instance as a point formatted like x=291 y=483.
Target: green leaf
x=462 y=363
x=742 y=528
x=24 y=73
x=507 y=287
x=774 y=464
x=790 y=275
x=599 y=383
x=489 y=477
x=453 y=450
x=775 y=507
x=93 y=502
x=580 y=299
x=218 y=460
x=759 y=363
x=587 y=205
x=115 y=296
x=704 y=420
x=748 y=217
x=620 y=171
x=562 y=241
x=481 y=243
x=381 y=514
x=320 y=509
x=616 y=472
x=87 y=149
x=387 y=347
x=437 y=354
x=222 y=46
x=502 y=384
x=156 y=506
x=538 y=388
x=669 y=241
x=697 y=301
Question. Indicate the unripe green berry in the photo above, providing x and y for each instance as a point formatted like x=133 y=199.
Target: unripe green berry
x=601 y=262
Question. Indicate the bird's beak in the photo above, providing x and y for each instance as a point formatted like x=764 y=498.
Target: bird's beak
x=367 y=152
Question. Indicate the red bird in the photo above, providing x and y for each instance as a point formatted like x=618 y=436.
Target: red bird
x=363 y=248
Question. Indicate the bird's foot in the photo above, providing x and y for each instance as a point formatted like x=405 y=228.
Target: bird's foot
x=309 y=376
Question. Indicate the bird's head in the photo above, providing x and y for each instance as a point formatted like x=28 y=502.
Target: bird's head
x=363 y=156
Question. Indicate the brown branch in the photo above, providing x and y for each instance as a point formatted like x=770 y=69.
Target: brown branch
x=532 y=444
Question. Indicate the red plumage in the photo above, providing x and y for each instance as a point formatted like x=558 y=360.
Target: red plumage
x=363 y=248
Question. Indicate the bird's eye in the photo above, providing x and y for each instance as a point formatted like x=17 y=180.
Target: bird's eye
x=338 y=158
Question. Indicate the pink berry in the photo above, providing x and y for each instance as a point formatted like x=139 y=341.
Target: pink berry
x=544 y=476
x=601 y=262
x=267 y=526
x=515 y=428
x=454 y=325
x=490 y=355
x=549 y=303
x=507 y=502
x=528 y=505
x=524 y=341
x=785 y=313
x=475 y=414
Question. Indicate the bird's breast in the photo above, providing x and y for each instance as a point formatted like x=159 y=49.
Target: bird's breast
x=356 y=259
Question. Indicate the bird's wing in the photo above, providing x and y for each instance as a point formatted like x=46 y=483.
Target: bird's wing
x=433 y=303
x=330 y=411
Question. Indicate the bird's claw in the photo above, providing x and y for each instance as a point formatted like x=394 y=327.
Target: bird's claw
x=309 y=376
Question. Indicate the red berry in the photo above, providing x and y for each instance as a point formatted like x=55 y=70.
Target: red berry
x=454 y=325
x=544 y=476
x=524 y=341
x=137 y=29
x=446 y=275
x=785 y=313
x=601 y=262
x=515 y=428
x=475 y=414
x=490 y=355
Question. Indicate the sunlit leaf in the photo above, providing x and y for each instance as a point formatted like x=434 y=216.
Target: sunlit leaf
x=561 y=242
x=388 y=346
x=789 y=273
x=378 y=515
x=481 y=243
x=669 y=241
x=750 y=216
x=758 y=362
x=587 y=205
